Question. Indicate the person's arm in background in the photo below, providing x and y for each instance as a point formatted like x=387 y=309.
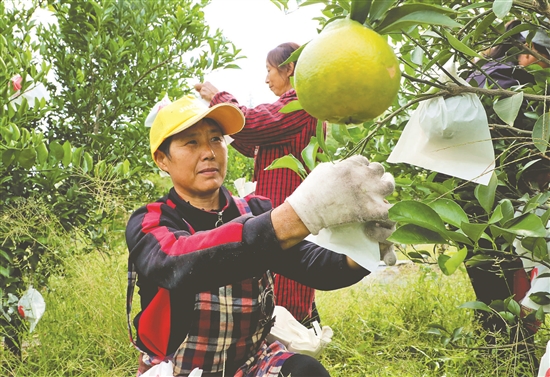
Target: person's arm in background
x=265 y=125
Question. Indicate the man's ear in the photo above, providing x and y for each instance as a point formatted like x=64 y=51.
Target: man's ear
x=160 y=160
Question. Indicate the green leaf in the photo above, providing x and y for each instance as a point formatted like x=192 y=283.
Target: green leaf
x=449 y=264
x=536 y=245
x=294 y=56
x=88 y=162
x=502 y=7
x=8 y=156
x=379 y=8
x=291 y=107
x=513 y=307
x=515 y=30
x=535 y=202
x=417 y=55
x=320 y=134
x=479 y=260
x=458 y=237
x=410 y=234
x=508 y=317
x=449 y=211
x=545 y=217
x=476 y=305
x=340 y=133
x=288 y=162
x=125 y=167
x=497 y=232
x=67 y=154
x=4 y=271
x=396 y=14
x=485 y=195
x=41 y=152
x=77 y=156
x=459 y=46
x=496 y=216
x=541 y=132
x=482 y=27
x=528 y=225
x=417 y=213
x=539 y=314
x=27 y=158
x=507 y=209
x=15 y=132
x=508 y=108
x=309 y=153
x=360 y=10
x=419 y=18
x=474 y=231
x=540 y=298
x=56 y=150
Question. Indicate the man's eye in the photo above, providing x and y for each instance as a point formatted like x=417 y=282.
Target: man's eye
x=217 y=138
x=192 y=142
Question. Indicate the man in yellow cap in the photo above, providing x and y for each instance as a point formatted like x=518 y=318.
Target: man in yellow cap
x=204 y=259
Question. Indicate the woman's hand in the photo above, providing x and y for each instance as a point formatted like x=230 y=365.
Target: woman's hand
x=206 y=90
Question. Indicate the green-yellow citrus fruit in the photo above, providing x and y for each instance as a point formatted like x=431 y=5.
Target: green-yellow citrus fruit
x=347 y=74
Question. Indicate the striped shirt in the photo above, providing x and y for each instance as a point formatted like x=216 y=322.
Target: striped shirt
x=267 y=135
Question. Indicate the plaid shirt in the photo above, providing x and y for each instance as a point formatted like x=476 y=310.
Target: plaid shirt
x=266 y=136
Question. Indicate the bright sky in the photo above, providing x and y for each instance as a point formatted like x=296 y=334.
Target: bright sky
x=256 y=27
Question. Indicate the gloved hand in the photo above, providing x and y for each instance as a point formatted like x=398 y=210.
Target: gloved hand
x=387 y=253
x=206 y=90
x=348 y=191
x=379 y=232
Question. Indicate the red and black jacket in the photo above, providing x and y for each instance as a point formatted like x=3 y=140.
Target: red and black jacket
x=174 y=262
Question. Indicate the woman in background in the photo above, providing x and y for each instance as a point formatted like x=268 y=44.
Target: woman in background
x=267 y=135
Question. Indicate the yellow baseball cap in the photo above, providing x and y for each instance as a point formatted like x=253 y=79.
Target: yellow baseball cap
x=188 y=110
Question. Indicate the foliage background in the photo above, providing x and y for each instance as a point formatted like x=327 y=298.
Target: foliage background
x=73 y=166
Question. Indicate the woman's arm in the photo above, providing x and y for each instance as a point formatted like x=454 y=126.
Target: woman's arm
x=164 y=251
x=265 y=124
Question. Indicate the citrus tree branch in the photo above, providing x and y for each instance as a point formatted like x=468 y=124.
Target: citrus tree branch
x=540 y=7
x=153 y=68
x=426 y=82
x=454 y=90
x=509 y=128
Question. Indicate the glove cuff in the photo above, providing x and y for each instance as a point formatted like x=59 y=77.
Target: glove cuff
x=310 y=218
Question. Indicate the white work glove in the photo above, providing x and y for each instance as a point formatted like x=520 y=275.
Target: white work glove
x=347 y=191
x=379 y=232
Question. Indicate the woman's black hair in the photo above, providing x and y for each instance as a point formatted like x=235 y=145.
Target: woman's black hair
x=164 y=147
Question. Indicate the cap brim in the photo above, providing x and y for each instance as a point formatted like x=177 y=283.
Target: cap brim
x=229 y=117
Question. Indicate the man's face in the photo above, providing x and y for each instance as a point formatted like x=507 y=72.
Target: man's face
x=198 y=160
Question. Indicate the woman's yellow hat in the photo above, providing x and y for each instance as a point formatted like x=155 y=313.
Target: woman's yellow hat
x=188 y=110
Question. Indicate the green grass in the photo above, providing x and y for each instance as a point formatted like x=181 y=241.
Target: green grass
x=380 y=326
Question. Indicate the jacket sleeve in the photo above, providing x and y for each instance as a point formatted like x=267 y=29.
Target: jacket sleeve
x=165 y=252
x=317 y=267
x=265 y=125
x=308 y=263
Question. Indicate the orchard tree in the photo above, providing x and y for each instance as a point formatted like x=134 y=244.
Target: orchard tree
x=484 y=223
x=74 y=149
